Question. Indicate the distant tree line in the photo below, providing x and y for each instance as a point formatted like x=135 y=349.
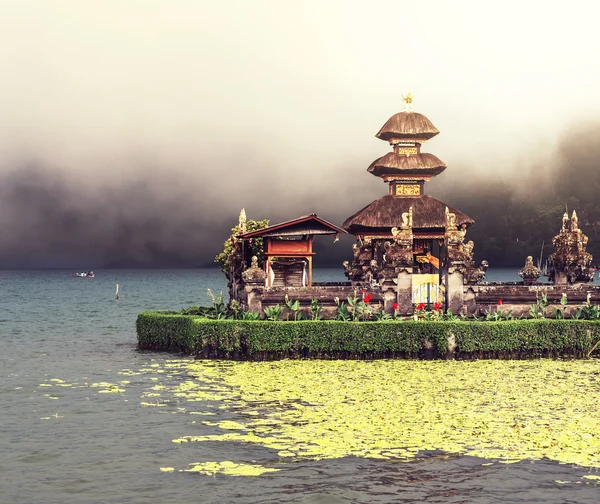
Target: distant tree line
x=514 y=218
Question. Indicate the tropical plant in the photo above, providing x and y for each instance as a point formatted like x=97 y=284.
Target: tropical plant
x=315 y=309
x=273 y=312
x=250 y=315
x=559 y=313
x=498 y=315
x=342 y=312
x=381 y=315
x=450 y=316
x=353 y=302
x=218 y=310
x=589 y=311
x=538 y=310
x=292 y=307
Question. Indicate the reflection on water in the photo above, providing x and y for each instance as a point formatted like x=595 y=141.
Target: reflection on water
x=81 y=423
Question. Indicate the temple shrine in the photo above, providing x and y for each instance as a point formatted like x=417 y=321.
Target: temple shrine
x=410 y=247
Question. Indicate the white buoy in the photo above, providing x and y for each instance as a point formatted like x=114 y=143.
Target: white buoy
x=117 y=293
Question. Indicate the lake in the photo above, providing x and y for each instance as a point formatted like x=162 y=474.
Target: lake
x=86 y=418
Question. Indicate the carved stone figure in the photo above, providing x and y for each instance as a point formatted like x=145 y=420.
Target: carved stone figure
x=530 y=273
x=396 y=255
x=254 y=274
x=359 y=270
x=460 y=254
x=450 y=219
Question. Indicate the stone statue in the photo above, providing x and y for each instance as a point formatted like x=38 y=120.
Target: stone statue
x=530 y=273
x=450 y=220
x=254 y=274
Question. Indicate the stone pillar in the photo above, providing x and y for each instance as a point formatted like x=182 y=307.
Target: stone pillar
x=254 y=280
x=455 y=291
x=389 y=296
x=560 y=277
x=404 y=293
x=254 y=297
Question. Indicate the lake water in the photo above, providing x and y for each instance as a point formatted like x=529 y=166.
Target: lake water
x=69 y=435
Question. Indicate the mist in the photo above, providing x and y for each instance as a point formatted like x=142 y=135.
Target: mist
x=132 y=133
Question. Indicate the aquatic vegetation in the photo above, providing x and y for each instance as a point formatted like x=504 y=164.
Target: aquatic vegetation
x=506 y=410
x=229 y=468
x=503 y=411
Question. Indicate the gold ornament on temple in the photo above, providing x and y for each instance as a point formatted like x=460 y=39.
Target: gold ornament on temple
x=408 y=98
x=408 y=190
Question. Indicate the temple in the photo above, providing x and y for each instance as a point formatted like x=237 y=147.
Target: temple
x=410 y=247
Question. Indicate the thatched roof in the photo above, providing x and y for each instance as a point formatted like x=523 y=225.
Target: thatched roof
x=416 y=164
x=407 y=125
x=386 y=212
x=306 y=225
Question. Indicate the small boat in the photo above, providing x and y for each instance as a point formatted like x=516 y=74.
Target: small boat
x=87 y=274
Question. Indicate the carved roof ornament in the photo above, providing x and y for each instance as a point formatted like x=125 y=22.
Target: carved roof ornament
x=408 y=99
x=242 y=222
x=450 y=220
x=407 y=219
x=570 y=263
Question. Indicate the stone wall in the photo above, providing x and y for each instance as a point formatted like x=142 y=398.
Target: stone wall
x=483 y=298
x=479 y=299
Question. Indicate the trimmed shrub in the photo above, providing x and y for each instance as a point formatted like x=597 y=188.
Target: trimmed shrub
x=259 y=339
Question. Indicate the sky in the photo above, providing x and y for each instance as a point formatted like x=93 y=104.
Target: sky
x=132 y=132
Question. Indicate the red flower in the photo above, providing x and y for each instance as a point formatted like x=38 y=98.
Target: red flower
x=395 y=306
x=499 y=301
x=437 y=306
x=420 y=306
x=368 y=298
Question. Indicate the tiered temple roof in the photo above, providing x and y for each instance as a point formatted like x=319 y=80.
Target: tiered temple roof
x=406 y=170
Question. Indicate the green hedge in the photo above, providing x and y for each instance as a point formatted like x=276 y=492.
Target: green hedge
x=259 y=339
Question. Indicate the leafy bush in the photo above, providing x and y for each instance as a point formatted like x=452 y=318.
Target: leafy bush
x=256 y=245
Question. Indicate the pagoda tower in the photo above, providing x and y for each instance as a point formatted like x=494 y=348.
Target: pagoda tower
x=408 y=232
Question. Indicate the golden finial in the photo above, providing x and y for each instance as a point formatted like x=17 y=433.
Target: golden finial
x=408 y=98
